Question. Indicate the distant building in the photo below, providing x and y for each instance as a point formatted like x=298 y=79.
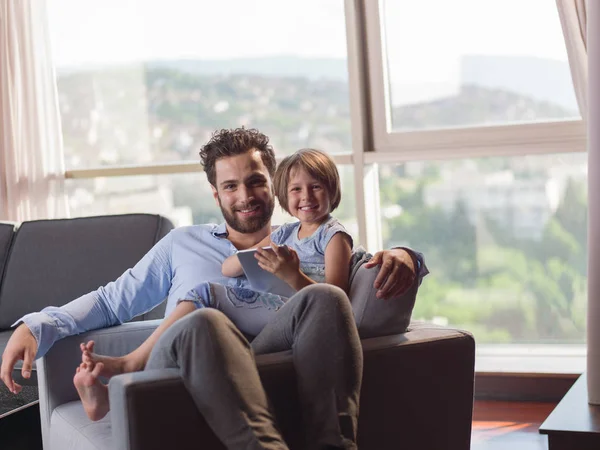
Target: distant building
x=124 y=195
x=522 y=206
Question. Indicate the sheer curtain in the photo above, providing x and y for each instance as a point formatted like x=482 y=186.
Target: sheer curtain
x=573 y=19
x=31 y=154
x=581 y=27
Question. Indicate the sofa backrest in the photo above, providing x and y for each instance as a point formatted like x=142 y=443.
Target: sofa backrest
x=7 y=231
x=52 y=262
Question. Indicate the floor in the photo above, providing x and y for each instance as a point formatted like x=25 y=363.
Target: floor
x=496 y=426
x=509 y=425
x=21 y=430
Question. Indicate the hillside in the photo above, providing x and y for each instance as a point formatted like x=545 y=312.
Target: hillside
x=476 y=105
x=135 y=115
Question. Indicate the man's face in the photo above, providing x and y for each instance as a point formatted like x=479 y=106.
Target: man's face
x=244 y=192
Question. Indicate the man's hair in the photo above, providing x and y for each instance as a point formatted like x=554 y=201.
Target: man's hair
x=318 y=165
x=232 y=142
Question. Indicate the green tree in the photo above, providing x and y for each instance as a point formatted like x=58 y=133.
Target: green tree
x=572 y=214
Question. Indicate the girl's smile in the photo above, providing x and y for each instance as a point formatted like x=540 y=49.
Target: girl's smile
x=308 y=199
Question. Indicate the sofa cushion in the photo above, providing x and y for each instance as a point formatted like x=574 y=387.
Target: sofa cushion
x=72 y=430
x=52 y=262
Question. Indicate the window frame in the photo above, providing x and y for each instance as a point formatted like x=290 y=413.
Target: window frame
x=560 y=136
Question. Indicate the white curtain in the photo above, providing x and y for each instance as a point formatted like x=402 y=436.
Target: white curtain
x=573 y=19
x=31 y=153
x=581 y=27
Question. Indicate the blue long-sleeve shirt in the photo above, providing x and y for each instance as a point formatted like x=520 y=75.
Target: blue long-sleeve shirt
x=184 y=257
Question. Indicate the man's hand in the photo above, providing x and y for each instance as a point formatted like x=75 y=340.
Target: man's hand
x=397 y=272
x=21 y=346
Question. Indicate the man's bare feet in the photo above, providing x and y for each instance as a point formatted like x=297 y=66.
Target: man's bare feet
x=112 y=365
x=93 y=394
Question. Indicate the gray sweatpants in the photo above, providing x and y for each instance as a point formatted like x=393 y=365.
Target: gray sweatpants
x=217 y=362
x=218 y=368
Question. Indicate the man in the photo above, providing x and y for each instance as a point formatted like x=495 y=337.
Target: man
x=215 y=359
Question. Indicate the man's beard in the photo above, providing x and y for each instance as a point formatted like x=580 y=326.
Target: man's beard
x=251 y=224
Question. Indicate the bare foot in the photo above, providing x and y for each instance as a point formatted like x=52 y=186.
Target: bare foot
x=112 y=365
x=93 y=394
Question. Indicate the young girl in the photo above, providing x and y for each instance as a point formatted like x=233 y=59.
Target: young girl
x=315 y=249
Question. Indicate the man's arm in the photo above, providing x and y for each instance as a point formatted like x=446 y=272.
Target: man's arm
x=138 y=290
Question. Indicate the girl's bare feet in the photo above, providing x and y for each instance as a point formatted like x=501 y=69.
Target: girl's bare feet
x=112 y=365
x=93 y=394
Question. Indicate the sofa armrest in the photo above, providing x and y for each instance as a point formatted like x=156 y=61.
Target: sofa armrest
x=417 y=389
x=57 y=367
x=144 y=406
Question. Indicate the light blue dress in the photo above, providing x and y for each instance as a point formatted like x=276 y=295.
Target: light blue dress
x=250 y=310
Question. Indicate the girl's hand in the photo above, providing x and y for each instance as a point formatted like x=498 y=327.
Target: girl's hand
x=281 y=261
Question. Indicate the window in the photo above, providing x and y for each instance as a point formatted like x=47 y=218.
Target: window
x=467 y=142
x=468 y=78
x=479 y=148
x=469 y=63
x=140 y=83
x=143 y=85
x=511 y=273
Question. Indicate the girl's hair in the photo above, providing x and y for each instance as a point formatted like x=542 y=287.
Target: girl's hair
x=318 y=165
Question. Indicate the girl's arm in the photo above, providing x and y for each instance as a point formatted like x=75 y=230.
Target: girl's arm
x=337 y=261
x=231 y=266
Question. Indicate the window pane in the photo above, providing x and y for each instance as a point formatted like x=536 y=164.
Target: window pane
x=504 y=239
x=148 y=81
x=184 y=198
x=471 y=63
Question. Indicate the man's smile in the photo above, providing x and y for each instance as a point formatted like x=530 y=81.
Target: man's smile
x=248 y=211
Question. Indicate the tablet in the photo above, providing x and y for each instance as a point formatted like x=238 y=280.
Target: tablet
x=260 y=279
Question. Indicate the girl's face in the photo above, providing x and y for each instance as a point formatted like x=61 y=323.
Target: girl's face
x=308 y=198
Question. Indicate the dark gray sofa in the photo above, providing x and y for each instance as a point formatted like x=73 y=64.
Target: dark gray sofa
x=51 y=262
x=417 y=387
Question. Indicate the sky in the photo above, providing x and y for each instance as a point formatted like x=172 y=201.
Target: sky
x=92 y=31
x=425 y=39
x=447 y=29
x=124 y=30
